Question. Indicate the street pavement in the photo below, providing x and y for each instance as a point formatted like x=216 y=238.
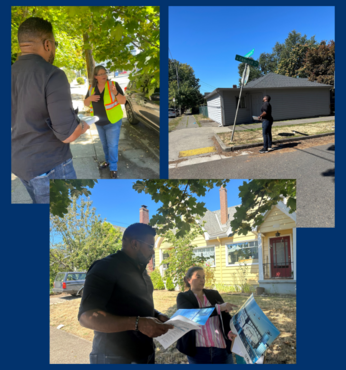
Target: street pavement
x=186 y=138
x=66 y=348
x=313 y=168
x=139 y=153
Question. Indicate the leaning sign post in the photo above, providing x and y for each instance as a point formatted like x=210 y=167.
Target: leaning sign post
x=244 y=79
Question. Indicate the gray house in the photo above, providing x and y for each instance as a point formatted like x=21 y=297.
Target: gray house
x=291 y=98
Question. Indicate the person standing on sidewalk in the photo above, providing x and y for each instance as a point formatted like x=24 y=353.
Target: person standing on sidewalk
x=43 y=120
x=117 y=302
x=267 y=124
x=104 y=99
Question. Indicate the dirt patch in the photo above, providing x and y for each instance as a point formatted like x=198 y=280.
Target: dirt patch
x=280 y=310
x=279 y=149
x=253 y=136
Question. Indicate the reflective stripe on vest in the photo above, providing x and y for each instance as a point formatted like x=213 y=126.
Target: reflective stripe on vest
x=113 y=114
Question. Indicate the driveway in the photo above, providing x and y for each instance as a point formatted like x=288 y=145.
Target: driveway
x=313 y=167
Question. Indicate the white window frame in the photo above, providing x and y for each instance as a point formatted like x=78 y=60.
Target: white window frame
x=237 y=264
x=208 y=246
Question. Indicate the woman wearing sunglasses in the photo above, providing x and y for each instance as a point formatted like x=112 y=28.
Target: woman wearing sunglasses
x=104 y=98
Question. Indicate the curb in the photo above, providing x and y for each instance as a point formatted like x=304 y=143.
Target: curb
x=226 y=148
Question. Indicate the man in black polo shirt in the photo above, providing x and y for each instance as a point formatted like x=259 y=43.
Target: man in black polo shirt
x=43 y=119
x=118 y=304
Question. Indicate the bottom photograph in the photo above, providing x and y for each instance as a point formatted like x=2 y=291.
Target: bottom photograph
x=173 y=271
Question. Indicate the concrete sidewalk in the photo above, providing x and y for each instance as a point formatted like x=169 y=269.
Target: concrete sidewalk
x=66 y=348
x=189 y=138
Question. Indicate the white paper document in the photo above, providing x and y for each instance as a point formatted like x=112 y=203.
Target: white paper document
x=182 y=325
x=88 y=119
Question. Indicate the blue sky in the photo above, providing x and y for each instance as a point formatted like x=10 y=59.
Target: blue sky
x=208 y=38
x=119 y=203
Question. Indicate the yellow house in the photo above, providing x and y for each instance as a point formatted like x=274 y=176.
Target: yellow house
x=264 y=257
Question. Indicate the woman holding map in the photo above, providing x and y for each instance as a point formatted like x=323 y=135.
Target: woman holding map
x=212 y=343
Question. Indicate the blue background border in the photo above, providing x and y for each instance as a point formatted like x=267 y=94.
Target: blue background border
x=25 y=232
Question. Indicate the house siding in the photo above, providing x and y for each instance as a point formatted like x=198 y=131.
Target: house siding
x=214 y=108
x=230 y=107
x=299 y=103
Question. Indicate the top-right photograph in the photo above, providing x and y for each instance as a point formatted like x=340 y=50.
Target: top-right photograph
x=252 y=95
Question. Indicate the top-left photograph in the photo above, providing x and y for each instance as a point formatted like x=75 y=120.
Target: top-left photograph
x=85 y=95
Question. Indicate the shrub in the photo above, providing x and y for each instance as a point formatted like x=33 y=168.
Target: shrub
x=209 y=276
x=157 y=280
x=169 y=284
x=80 y=80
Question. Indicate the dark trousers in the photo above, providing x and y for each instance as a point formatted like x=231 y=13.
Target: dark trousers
x=211 y=355
x=267 y=133
x=101 y=358
x=38 y=187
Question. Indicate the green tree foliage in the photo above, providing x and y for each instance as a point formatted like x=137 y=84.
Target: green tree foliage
x=180 y=256
x=180 y=207
x=188 y=94
x=83 y=238
x=169 y=284
x=258 y=197
x=292 y=65
x=319 y=64
x=157 y=281
x=71 y=75
x=62 y=191
x=254 y=72
x=101 y=33
x=269 y=62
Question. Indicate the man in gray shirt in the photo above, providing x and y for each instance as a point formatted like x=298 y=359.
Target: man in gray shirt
x=43 y=119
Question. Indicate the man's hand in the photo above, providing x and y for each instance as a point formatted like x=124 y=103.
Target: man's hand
x=227 y=307
x=95 y=98
x=163 y=318
x=259 y=118
x=152 y=327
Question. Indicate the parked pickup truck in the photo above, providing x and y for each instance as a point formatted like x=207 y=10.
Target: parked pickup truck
x=70 y=283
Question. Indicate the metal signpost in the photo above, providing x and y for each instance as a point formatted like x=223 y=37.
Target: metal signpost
x=244 y=79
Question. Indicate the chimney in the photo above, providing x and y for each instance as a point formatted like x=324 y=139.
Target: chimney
x=223 y=205
x=144 y=215
x=234 y=86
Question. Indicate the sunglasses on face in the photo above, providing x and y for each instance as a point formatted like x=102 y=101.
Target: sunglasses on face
x=151 y=246
x=102 y=74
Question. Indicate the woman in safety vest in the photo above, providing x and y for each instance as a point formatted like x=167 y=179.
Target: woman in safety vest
x=104 y=98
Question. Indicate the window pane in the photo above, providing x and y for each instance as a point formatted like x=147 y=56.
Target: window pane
x=246 y=252
x=208 y=253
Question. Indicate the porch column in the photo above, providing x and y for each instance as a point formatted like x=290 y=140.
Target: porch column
x=260 y=257
x=161 y=259
x=294 y=254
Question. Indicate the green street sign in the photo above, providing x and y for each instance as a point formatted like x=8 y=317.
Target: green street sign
x=249 y=54
x=252 y=62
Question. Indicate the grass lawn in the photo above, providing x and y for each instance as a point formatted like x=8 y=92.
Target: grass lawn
x=252 y=136
x=280 y=310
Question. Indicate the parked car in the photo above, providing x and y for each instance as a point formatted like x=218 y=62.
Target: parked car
x=171 y=113
x=69 y=282
x=140 y=108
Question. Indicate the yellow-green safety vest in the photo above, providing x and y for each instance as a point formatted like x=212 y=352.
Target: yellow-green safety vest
x=112 y=106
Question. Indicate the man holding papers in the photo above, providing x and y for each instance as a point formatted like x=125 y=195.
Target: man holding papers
x=118 y=304
x=211 y=344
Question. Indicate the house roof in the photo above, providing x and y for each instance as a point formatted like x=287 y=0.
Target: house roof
x=274 y=81
x=122 y=229
x=213 y=221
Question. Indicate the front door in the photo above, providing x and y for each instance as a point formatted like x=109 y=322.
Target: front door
x=280 y=254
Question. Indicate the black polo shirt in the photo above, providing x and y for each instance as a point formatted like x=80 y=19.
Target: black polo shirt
x=40 y=91
x=116 y=285
x=266 y=107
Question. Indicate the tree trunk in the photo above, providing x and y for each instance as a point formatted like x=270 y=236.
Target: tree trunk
x=89 y=59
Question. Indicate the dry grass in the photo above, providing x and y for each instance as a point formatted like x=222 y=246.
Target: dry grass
x=281 y=310
x=172 y=124
x=252 y=136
